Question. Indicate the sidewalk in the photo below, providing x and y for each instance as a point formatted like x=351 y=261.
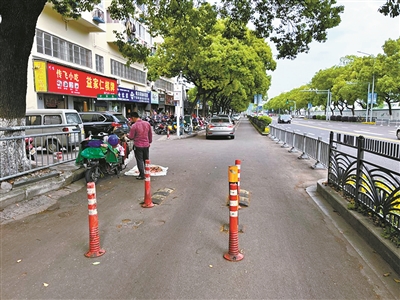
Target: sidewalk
x=34 y=194
x=42 y=193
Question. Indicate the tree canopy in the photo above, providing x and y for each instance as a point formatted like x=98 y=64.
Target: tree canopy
x=351 y=81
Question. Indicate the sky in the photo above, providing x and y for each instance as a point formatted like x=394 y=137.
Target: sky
x=362 y=28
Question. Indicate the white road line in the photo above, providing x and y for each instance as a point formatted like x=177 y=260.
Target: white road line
x=368 y=132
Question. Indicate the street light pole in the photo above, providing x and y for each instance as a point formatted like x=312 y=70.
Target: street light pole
x=328 y=100
x=366 y=113
x=294 y=104
x=372 y=92
x=178 y=101
x=373 y=85
x=328 y=106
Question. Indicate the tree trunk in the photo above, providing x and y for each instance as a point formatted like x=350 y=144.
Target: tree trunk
x=17 y=31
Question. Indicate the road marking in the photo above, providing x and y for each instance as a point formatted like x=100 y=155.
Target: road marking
x=367 y=132
x=350 y=133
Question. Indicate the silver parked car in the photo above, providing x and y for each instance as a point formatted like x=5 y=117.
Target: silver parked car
x=220 y=126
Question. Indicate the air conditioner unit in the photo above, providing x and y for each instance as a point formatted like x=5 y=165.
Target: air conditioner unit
x=98 y=16
x=119 y=81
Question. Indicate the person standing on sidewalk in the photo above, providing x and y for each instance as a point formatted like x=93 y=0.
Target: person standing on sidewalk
x=142 y=136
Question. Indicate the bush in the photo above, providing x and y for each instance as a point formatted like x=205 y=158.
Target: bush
x=314 y=117
x=333 y=118
x=267 y=120
x=339 y=118
x=345 y=118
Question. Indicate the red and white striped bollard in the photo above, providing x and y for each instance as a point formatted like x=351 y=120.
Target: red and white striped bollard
x=94 y=238
x=233 y=254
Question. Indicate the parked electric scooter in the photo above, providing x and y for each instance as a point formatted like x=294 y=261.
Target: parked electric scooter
x=101 y=157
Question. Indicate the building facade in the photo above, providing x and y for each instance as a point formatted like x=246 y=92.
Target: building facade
x=75 y=64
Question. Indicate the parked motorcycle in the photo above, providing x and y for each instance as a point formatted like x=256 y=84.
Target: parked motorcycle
x=101 y=157
x=161 y=128
x=30 y=150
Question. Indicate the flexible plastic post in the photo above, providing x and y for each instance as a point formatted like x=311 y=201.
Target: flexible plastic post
x=234 y=253
x=148 y=203
x=94 y=239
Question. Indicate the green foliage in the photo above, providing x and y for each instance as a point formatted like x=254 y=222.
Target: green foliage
x=265 y=119
x=73 y=8
x=390 y=8
x=351 y=205
x=226 y=72
x=390 y=233
x=349 y=82
x=292 y=25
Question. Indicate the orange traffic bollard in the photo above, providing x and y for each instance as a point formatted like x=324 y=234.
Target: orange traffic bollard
x=234 y=253
x=147 y=194
x=94 y=239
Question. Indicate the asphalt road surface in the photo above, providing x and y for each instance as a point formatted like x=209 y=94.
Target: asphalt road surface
x=293 y=249
x=322 y=128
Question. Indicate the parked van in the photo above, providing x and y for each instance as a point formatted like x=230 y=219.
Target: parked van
x=59 y=128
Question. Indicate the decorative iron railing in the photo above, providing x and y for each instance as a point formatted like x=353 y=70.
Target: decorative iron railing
x=365 y=170
x=369 y=172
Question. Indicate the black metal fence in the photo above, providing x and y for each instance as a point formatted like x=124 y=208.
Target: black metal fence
x=368 y=171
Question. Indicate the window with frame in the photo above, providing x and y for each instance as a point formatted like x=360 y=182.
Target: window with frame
x=53 y=46
x=130 y=73
x=99 y=63
x=164 y=85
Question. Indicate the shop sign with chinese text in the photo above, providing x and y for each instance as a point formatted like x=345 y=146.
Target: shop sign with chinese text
x=64 y=80
x=125 y=94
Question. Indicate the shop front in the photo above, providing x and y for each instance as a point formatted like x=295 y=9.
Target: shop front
x=59 y=86
x=135 y=100
x=169 y=104
x=154 y=101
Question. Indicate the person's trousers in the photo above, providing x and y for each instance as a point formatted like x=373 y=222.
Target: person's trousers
x=141 y=154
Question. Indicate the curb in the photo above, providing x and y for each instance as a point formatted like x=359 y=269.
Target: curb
x=370 y=233
x=259 y=131
x=29 y=189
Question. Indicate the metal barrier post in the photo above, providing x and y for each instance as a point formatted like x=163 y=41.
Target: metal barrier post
x=318 y=164
x=275 y=135
x=304 y=155
x=285 y=145
x=234 y=253
x=94 y=239
x=148 y=203
x=293 y=149
x=272 y=132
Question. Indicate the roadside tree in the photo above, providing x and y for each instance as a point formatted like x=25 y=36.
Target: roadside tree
x=291 y=25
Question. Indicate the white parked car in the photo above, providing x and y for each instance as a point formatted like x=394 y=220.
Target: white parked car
x=236 y=117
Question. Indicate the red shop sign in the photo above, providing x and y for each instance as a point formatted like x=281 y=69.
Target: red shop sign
x=63 y=80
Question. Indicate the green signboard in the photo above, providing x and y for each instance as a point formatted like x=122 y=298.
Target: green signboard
x=107 y=97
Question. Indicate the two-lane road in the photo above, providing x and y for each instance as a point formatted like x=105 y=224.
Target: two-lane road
x=317 y=128
x=292 y=249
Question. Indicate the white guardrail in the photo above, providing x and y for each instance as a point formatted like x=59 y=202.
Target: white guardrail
x=310 y=147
